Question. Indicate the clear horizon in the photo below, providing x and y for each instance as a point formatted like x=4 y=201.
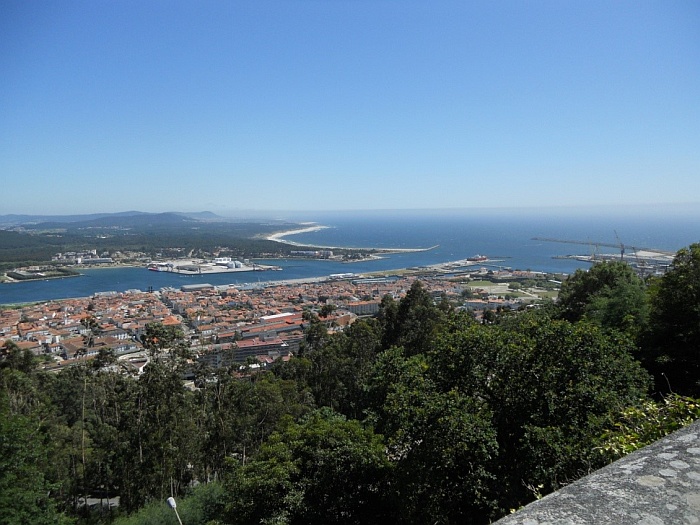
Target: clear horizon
x=684 y=209
x=267 y=106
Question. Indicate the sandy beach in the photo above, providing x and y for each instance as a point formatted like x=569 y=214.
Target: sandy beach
x=281 y=237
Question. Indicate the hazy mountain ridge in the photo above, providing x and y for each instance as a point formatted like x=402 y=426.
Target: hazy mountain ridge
x=31 y=239
x=129 y=221
x=106 y=219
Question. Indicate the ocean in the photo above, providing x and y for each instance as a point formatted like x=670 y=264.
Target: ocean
x=506 y=235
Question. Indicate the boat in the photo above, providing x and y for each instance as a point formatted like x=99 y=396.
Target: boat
x=160 y=267
x=478 y=258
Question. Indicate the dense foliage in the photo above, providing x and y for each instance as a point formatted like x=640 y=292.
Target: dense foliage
x=420 y=415
x=672 y=344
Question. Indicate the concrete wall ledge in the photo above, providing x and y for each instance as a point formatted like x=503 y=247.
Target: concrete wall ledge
x=656 y=485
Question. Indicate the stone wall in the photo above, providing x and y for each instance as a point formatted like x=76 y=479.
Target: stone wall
x=657 y=485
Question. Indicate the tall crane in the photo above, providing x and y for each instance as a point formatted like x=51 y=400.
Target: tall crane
x=597 y=244
x=622 y=246
x=619 y=245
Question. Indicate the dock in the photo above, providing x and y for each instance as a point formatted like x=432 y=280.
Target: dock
x=202 y=267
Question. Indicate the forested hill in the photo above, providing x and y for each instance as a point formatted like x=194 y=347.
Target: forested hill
x=23 y=220
x=139 y=221
x=422 y=415
x=37 y=239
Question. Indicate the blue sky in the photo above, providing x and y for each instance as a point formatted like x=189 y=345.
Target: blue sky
x=347 y=104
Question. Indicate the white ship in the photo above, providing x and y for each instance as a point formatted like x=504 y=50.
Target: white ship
x=160 y=267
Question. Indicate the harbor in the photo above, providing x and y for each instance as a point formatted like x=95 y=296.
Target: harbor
x=203 y=267
x=644 y=261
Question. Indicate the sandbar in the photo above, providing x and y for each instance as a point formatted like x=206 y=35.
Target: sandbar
x=281 y=237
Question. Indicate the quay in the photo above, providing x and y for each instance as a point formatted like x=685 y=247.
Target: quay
x=201 y=267
x=644 y=262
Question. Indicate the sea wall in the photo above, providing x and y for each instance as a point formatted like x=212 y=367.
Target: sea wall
x=656 y=485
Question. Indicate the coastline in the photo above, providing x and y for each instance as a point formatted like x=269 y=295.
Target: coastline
x=10 y=280
x=77 y=268
x=281 y=237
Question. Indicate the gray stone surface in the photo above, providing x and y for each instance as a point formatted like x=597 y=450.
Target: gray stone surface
x=657 y=485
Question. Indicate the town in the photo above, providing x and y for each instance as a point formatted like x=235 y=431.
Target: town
x=228 y=326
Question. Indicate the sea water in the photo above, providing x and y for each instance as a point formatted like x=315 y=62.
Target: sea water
x=504 y=235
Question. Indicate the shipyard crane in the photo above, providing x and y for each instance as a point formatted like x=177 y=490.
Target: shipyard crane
x=622 y=246
x=655 y=261
x=586 y=243
x=619 y=245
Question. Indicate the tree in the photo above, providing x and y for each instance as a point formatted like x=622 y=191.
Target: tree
x=105 y=357
x=159 y=438
x=70 y=390
x=92 y=328
x=326 y=310
x=315 y=335
x=324 y=469
x=387 y=316
x=161 y=340
x=550 y=384
x=24 y=489
x=240 y=416
x=672 y=345
x=441 y=442
x=609 y=294
x=415 y=323
x=13 y=357
x=27 y=446
x=340 y=367
x=86 y=431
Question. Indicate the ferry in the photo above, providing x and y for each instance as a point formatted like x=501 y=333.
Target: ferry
x=160 y=267
x=478 y=258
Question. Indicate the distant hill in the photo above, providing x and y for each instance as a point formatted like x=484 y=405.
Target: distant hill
x=31 y=239
x=145 y=220
x=15 y=219
x=203 y=216
x=105 y=219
